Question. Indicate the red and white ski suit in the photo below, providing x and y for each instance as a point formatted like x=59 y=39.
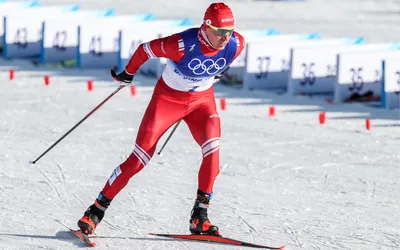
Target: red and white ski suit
x=172 y=101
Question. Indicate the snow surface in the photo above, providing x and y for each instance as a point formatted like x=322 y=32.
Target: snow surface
x=284 y=181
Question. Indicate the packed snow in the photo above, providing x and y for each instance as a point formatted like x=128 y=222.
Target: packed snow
x=285 y=180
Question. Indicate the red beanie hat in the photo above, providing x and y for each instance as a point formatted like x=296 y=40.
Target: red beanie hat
x=219 y=15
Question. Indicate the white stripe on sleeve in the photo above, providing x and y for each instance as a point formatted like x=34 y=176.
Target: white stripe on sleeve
x=148 y=50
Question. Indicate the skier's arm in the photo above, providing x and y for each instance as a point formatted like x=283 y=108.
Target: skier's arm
x=167 y=47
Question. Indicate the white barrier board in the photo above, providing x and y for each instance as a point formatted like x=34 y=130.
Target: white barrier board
x=391 y=82
x=313 y=69
x=99 y=44
x=250 y=35
x=268 y=62
x=23 y=35
x=237 y=70
x=359 y=74
x=60 y=35
x=9 y=7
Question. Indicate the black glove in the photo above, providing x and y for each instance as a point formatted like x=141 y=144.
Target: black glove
x=122 y=77
x=219 y=76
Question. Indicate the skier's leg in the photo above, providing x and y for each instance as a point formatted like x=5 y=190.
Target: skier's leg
x=160 y=114
x=204 y=124
x=156 y=121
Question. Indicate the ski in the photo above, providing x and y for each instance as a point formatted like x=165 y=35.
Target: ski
x=79 y=233
x=83 y=237
x=215 y=239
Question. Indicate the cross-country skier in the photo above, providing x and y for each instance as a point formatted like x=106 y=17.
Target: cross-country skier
x=196 y=59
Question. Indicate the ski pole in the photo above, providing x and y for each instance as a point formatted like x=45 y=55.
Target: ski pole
x=76 y=125
x=165 y=143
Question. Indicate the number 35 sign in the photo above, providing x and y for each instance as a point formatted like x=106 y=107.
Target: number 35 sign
x=360 y=73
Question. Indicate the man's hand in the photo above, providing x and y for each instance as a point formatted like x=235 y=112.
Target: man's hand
x=123 y=77
x=219 y=76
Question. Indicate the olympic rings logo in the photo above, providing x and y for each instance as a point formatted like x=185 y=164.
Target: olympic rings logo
x=208 y=66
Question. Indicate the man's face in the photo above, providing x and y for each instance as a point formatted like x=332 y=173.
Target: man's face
x=218 y=41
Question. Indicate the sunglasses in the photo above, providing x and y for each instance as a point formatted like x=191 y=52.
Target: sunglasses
x=221 y=31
